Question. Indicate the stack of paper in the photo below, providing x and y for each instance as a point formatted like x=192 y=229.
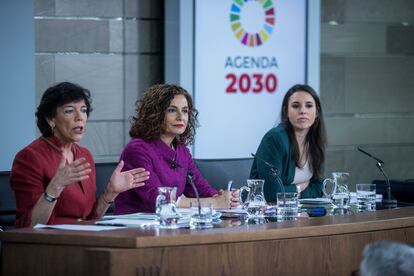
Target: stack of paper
x=77 y=227
x=129 y=220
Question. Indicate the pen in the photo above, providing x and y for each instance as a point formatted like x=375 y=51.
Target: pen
x=229 y=185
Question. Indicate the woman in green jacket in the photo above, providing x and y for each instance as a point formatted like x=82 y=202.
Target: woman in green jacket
x=295 y=148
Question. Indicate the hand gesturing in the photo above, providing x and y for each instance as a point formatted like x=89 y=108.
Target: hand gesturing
x=67 y=174
x=123 y=181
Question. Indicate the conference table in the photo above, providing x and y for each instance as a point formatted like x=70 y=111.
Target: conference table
x=329 y=245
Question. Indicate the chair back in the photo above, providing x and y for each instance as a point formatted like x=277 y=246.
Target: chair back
x=218 y=172
x=7 y=201
x=103 y=173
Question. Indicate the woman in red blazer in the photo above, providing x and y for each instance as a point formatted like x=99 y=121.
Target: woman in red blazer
x=53 y=177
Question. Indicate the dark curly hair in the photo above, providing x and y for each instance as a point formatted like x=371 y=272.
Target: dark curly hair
x=149 y=118
x=316 y=137
x=56 y=96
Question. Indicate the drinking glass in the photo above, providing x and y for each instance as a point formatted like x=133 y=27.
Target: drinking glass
x=287 y=206
x=201 y=216
x=366 y=194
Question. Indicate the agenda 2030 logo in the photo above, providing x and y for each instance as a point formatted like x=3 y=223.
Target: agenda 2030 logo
x=252 y=21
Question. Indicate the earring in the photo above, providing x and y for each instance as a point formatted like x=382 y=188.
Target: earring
x=52 y=126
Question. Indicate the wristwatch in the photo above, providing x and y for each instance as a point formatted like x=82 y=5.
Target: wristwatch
x=49 y=198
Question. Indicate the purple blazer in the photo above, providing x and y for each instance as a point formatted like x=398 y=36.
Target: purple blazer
x=155 y=157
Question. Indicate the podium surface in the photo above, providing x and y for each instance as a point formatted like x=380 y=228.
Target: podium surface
x=330 y=245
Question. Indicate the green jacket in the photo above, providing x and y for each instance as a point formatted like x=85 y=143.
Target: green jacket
x=275 y=149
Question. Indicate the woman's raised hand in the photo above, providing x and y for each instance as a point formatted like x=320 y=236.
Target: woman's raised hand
x=67 y=174
x=123 y=181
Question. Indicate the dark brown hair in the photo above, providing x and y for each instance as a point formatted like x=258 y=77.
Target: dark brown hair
x=316 y=137
x=148 y=121
x=59 y=95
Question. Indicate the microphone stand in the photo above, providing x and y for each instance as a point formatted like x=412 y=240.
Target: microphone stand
x=274 y=173
x=189 y=177
x=190 y=180
x=389 y=202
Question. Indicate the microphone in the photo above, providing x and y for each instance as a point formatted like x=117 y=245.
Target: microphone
x=373 y=157
x=190 y=176
x=173 y=164
x=273 y=168
x=274 y=172
x=385 y=201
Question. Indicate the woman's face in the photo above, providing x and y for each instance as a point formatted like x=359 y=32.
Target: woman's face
x=301 y=110
x=70 y=121
x=176 y=117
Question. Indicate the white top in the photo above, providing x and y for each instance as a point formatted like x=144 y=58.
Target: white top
x=302 y=174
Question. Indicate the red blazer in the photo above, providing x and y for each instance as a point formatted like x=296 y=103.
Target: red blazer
x=33 y=169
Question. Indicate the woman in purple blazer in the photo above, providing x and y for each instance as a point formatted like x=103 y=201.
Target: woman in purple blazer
x=163 y=126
